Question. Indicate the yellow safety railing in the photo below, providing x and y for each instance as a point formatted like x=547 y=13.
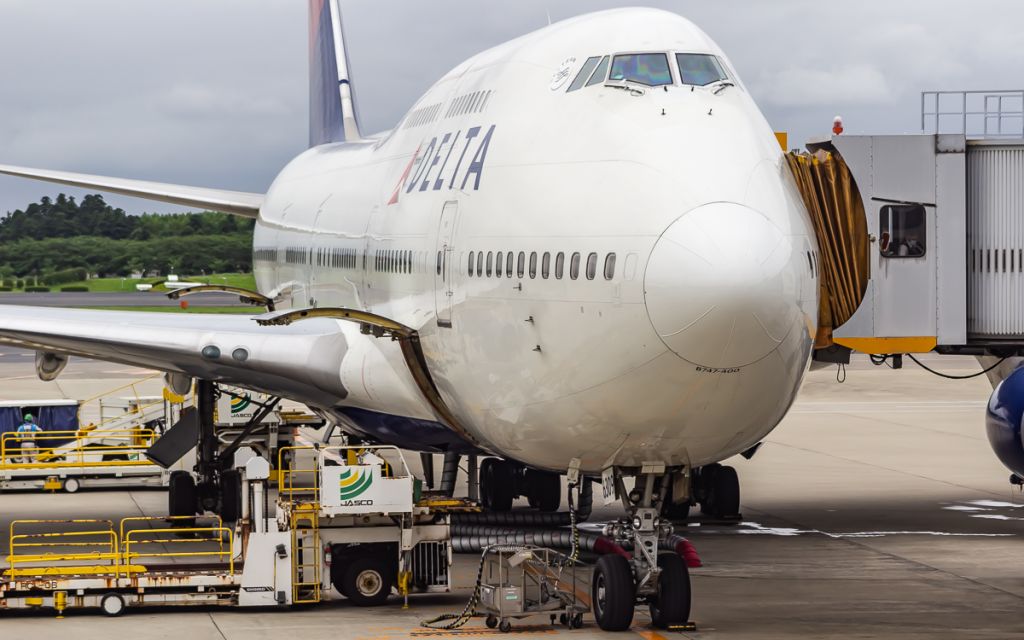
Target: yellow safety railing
x=293 y=483
x=81 y=448
x=172 y=546
x=127 y=523
x=89 y=549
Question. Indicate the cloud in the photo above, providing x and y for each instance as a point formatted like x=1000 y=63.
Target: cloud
x=859 y=84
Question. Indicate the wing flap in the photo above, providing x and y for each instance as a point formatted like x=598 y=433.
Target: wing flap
x=235 y=202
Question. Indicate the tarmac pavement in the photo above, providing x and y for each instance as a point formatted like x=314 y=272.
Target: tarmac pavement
x=876 y=510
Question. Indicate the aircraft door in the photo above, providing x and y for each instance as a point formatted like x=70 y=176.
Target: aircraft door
x=444 y=295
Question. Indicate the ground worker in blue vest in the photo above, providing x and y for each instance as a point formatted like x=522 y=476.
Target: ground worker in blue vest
x=26 y=434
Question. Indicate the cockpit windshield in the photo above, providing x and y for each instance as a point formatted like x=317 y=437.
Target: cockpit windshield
x=700 y=69
x=650 y=69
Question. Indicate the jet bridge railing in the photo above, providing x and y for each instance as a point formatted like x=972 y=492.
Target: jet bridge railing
x=973 y=114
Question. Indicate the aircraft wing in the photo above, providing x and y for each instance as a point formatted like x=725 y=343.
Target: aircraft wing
x=301 y=360
x=236 y=202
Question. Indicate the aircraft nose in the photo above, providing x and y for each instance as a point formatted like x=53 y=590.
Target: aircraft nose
x=721 y=286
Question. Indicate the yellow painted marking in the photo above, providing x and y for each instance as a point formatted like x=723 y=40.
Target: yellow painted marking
x=879 y=346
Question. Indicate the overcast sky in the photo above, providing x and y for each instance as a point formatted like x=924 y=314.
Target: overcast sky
x=214 y=92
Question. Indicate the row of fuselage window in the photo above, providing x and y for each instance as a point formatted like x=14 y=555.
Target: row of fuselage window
x=544 y=265
x=480 y=264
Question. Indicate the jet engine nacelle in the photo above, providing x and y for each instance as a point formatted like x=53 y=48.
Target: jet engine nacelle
x=1003 y=421
x=49 y=365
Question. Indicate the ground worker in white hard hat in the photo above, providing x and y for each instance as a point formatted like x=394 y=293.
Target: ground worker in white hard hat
x=26 y=434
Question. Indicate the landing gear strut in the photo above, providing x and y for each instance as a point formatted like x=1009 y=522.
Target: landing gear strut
x=216 y=486
x=660 y=581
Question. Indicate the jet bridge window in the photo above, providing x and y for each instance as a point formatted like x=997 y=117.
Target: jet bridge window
x=699 y=69
x=901 y=231
x=650 y=69
x=585 y=71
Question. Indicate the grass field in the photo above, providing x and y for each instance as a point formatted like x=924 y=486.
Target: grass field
x=113 y=285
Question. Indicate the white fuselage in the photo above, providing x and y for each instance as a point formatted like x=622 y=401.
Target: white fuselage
x=690 y=351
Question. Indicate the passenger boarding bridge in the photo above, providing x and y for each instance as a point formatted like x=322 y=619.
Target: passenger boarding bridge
x=922 y=235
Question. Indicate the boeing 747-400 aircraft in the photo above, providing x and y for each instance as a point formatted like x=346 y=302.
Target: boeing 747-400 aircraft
x=580 y=252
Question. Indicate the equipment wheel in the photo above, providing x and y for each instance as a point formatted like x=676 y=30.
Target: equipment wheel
x=486 y=469
x=672 y=604
x=181 y=494
x=367 y=580
x=491 y=622
x=613 y=593
x=724 y=493
x=231 y=495
x=505 y=626
x=502 y=485
x=544 y=490
x=72 y=485
x=112 y=604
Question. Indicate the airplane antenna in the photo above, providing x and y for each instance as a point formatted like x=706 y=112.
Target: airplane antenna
x=548 y=11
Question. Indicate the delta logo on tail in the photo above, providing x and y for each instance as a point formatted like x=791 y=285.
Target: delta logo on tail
x=354 y=482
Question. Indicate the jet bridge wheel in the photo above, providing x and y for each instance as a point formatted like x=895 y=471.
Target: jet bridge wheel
x=612 y=593
x=672 y=604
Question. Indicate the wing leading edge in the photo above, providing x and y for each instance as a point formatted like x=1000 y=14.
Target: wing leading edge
x=299 y=361
x=235 y=202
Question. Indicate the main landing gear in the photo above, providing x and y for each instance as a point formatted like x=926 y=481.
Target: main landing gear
x=659 y=580
x=502 y=481
x=215 y=487
x=716 y=488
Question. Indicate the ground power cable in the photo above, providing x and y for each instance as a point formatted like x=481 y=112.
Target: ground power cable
x=949 y=376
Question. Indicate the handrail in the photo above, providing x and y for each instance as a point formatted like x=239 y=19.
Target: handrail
x=124 y=521
x=56 y=541
x=74 y=453
x=286 y=475
x=217 y=535
x=129 y=385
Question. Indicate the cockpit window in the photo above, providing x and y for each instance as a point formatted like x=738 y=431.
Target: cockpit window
x=600 y=73
x=584 y=74
x=700 y=69
x=650 y=69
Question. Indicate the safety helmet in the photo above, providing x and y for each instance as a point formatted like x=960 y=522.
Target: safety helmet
x=28 y=417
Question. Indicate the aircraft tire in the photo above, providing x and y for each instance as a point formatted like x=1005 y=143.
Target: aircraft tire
x=181 y=494
x=672 y=604
x=724 y=493
x=613 y=593
x=544 y=490
x=486 y=481
x=231 y=496
x=501 y=485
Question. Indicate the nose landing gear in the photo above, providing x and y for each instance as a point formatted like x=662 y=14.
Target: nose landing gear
x=661 y=581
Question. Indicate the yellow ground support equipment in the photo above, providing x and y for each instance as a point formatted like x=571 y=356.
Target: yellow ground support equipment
x=346 y=517
x=70 y=460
